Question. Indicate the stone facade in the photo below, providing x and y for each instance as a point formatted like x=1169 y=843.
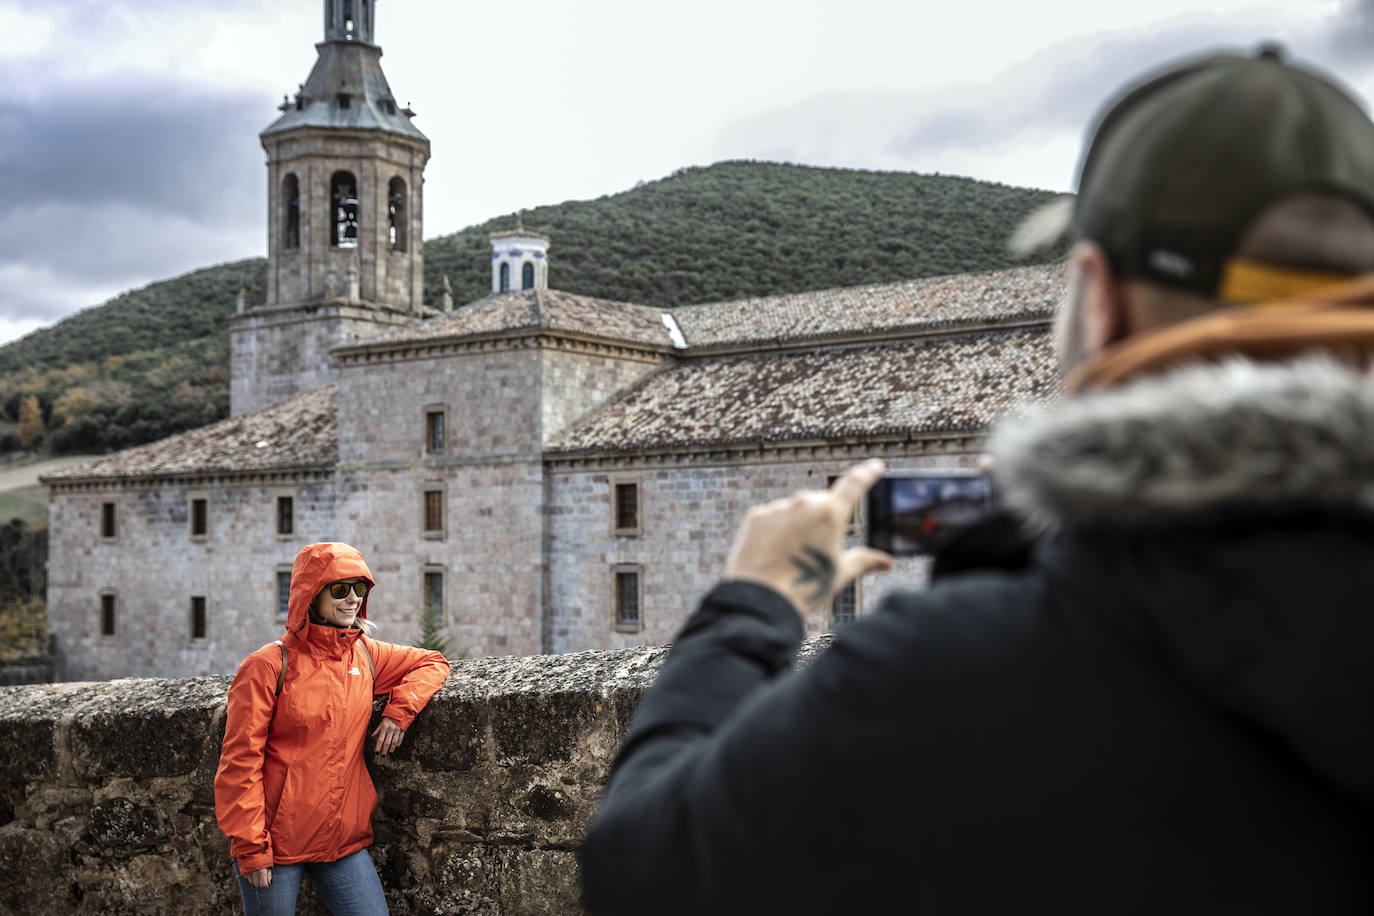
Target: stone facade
x=689 y=515
x=278 y=352
x=506 y=520
x=152 y=570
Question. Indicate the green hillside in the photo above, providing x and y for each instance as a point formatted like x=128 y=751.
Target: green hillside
x=738 y=229
x=154 y=361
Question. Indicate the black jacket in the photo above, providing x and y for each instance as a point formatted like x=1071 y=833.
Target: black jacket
x=1168 y=710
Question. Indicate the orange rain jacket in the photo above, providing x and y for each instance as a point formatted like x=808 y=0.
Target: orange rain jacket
x=291 y=784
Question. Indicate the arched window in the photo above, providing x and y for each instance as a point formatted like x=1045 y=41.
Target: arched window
x=527 y=276
x=343 y=210
x=505 y=276
x=291 y=211
x=396 y=214
x=348 y=22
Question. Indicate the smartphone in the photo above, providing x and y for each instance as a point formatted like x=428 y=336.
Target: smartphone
x=912 y=513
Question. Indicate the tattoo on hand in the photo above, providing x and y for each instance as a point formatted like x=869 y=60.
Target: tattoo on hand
x=816 y=568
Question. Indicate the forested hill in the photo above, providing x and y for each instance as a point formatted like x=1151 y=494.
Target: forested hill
x=738 y=229
x=152 y=362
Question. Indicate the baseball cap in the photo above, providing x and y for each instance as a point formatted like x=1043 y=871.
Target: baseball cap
x=1181 y=165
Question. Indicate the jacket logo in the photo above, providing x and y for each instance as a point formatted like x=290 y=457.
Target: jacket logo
x=354 y=671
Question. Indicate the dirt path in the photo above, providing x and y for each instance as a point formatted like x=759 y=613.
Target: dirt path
x=27 y=476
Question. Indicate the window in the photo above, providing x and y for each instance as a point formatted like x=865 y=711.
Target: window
x=396 y=214
x=286 y=515
x=345 y=100
x=434 y=512
x=107 y=521
x=343 y=210
x=434 y=593
x=348 y=19
x=845 y=607
x=197 y=616
x=291 y=209
x=107 y=615
x=283 y=593
x=505 y=276
x=625 y=508
x=627 y=599
x=527 y=276
x=200 y=517
x=434 y=432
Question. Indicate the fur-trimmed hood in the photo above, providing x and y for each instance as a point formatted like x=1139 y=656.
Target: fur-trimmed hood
x=1194 y=446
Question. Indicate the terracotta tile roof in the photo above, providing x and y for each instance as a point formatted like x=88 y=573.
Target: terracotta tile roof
x=535 y=310
x=299 y=433
x=951 y=383
x=1020 y=292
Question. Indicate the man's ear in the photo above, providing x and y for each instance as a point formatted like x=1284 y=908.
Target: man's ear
x=1103 y=312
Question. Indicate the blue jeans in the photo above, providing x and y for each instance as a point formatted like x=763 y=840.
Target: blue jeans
x=349 y=887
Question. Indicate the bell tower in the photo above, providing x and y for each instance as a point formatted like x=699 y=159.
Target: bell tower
x=345 y=171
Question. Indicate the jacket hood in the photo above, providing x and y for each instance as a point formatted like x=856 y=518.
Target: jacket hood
x=1223 y=514
x=1210 y=440
x=316 y=566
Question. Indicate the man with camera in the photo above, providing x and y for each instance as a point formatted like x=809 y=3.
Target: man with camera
x=1167 y=707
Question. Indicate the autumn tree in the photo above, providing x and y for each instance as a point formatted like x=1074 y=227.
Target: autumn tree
x=31 y=429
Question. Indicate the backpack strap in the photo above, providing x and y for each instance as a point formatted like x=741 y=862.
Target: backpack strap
x=367 y=654
x=281 y=675
x=362 y=643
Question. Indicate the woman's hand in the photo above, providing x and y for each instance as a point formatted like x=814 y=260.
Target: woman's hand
x=388 y=735
x=260 y=878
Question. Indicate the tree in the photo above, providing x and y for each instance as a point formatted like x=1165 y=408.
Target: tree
x=31 y=429
x=432 y=635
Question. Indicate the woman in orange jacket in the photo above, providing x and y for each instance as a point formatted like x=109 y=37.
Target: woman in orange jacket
x=292 y=792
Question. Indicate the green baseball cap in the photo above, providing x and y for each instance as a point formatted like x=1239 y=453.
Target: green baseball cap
x=1180 y=166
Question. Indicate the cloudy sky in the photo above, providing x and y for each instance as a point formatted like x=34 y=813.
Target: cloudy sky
x=128 y=128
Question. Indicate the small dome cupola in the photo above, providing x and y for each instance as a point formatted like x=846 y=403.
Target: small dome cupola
x=519 y=260
x=348 y=20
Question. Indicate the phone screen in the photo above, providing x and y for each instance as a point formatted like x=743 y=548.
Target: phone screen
x=910 y=514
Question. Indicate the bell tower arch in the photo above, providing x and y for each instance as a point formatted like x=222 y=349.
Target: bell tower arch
x=345 y=173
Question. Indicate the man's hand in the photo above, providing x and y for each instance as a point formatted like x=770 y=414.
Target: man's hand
x=796 y=545
x=260 y=878
x=388 y=735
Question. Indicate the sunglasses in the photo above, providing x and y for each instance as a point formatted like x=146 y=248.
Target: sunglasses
x=339 y=590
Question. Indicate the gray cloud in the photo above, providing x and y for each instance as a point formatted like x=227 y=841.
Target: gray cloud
x=1057 y=92
x=183 y=150
x=1347 y=36
x=1065 y=85
x=104 y=185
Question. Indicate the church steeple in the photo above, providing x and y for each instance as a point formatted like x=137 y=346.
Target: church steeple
x=345 y=259
x=348 y=20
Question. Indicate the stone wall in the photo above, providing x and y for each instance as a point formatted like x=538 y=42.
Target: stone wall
x=579 y=382
x=106 y=803
x=490 y=475
x=278 y=352
x=153 y=566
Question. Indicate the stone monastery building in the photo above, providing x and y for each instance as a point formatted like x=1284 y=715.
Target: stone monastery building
x=553 y=472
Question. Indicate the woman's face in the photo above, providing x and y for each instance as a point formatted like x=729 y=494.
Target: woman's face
x=339 y=612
